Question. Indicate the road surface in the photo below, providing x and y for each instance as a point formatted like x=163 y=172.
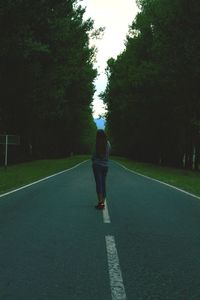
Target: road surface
x=55 y=245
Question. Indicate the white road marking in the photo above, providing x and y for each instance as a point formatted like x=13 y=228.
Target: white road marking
x=25 y=186
x=116 y=281
x=106 y=217
x=169 y=185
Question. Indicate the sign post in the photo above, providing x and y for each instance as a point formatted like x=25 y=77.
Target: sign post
x=7 y=139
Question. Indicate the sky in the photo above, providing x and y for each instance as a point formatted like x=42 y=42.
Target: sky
x=115 y=16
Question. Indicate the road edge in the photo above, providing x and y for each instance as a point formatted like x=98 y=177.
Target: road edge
x=45 y=178
x=162 y=182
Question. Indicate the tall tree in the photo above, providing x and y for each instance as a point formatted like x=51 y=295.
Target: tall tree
x=46 y=74
x=153 y=93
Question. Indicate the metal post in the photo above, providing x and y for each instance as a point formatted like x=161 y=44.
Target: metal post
x=6 y=152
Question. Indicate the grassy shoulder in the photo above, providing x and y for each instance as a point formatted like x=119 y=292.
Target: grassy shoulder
x=184 y=179
x=18 y=175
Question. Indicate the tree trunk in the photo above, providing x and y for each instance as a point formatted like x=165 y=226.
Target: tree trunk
x=197 y=154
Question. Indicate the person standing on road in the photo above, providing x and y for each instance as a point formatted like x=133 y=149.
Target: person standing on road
x=100 y=166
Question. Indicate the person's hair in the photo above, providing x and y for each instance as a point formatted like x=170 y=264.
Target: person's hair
x=101 y=143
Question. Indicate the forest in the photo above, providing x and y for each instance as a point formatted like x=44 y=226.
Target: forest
x=153 y=90
x=153 y=93
x=46 y=78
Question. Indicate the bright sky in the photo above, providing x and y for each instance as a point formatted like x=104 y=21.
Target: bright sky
x=115 y=16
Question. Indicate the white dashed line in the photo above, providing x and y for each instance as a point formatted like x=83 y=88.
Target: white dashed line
x=116 y=281
x=106 y=217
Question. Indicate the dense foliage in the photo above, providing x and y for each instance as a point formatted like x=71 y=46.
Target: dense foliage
x=153 y=91
x=46 y=76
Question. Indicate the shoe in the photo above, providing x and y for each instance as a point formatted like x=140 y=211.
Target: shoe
x=100 y=205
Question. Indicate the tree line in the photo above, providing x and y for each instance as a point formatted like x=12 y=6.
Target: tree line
x=153 y=90
x=46 y=77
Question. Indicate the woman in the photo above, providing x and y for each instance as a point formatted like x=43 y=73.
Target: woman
x=100 y=166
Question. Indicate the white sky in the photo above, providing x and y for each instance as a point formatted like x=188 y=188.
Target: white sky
x=115 y=16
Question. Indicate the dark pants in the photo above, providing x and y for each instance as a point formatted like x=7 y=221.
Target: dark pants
x=100 y=173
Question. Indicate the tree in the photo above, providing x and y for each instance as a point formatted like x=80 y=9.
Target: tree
x=47 y=74
x=152 y=93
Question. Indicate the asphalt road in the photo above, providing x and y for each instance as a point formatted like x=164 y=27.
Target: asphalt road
x=55 y=245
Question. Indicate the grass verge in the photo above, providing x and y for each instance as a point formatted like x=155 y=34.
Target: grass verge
x=184 y=179
x=22 y=174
